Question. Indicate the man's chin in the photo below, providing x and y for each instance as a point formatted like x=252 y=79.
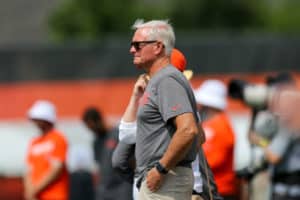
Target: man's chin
x=137 y=64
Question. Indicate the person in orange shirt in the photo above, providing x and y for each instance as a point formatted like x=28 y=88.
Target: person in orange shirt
x=219 y=144
x=46 y=177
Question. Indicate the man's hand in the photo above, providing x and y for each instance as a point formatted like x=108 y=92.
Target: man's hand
x=254 y=138
x=140 y=85
x=154 y=179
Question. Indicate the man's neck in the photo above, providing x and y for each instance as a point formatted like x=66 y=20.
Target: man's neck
x=45 y=130
x=158 y=65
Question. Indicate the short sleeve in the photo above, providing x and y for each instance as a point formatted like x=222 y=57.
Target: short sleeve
x=173 y=99
x=60 y=150
x=127 y=132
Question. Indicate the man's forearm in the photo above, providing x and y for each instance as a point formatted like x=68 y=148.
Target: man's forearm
x=26 y=181
x=180 y=144
x=50 y=177
x=131 y=110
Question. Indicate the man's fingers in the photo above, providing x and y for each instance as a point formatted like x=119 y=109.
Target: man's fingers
x=149 y=185
x=145 y=77
x=153 y=186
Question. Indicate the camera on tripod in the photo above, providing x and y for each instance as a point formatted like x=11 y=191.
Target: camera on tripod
x=265 y=124
x=257 y=95
x=254 y=95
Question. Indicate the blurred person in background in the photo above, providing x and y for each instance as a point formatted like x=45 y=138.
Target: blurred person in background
x=124 y=158
x=286 y=105
x=211 y=98
x=81 y=173
x=110 y=184
x=46 y=176
x=282 y=150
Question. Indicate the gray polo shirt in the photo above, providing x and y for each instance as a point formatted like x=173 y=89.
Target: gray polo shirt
x=167 y=95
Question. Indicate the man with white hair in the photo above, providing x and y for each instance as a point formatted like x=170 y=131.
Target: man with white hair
x=166 y=117
x=46 y=175
x=127 y=127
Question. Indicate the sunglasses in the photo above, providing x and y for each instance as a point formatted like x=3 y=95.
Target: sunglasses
x=139 y=44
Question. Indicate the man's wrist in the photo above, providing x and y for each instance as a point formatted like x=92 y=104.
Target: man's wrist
x=160 y=168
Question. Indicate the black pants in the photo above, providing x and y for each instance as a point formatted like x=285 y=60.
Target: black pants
x=229 y=197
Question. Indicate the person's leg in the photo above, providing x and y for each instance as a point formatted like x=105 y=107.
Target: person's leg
x=177 y=185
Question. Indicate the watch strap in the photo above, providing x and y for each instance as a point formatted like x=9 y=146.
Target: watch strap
x=161 y=169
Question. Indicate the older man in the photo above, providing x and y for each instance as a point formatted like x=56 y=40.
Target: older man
x=166 y=117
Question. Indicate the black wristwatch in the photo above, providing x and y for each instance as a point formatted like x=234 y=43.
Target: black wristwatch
x=161 y=168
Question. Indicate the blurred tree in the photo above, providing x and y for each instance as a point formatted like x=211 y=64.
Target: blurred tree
x=90 y=19
x=216 y=14
x=283 y=16
x=94 y=19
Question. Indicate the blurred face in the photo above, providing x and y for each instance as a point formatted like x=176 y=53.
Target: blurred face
x=42 y=125
x=96 y=127
x=288 y=108
x=143 y=49
x=91 y=125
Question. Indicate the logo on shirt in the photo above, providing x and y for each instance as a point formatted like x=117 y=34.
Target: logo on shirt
x=176 y=107
x=110 y=144
x=144 y=99
x=42 y=148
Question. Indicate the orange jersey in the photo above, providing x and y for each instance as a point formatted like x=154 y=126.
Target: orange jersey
x=219 y=151
x=42 y=150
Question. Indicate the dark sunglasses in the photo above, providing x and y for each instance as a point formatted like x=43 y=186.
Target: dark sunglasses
x=137 y=44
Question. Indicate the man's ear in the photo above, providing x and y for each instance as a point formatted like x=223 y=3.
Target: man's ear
x=159 y=48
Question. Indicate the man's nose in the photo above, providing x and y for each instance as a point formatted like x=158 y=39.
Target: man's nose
x=132 y=50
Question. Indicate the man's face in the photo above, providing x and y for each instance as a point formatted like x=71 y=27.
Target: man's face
x=42 y=125
x=142 y=49
x=288 y=108
x=91 y=125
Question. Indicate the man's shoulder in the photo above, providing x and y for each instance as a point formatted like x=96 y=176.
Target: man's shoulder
x=169 y=74
x=57 y=135
x=35 y=140
x=111 y=140
x=171 y=71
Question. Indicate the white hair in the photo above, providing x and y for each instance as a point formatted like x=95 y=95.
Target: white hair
x=158 y=30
